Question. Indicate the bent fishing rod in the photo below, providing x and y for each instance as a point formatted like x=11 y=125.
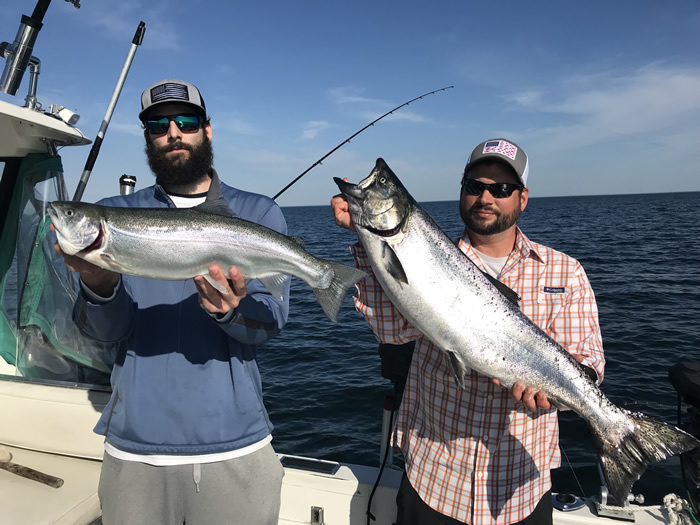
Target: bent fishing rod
x=95 y=150
x=319 y=161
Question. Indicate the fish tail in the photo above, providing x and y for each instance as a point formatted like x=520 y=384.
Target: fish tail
x=331 y=297
x=651 y=441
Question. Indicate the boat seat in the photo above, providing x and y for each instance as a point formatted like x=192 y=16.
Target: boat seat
x=685 y=378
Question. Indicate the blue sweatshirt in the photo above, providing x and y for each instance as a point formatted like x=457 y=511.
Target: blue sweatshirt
x=184 y=383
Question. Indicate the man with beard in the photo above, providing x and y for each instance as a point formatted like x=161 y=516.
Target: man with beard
x=187 y=438
x=482 y=454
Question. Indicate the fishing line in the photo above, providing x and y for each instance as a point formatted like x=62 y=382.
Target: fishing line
x=368 y=513
x=319 y=161
x=580 y=488
x=650 y=404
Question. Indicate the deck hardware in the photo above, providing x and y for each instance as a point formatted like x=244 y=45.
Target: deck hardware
x=316 y=515
x=314 y=465
x=566 y=502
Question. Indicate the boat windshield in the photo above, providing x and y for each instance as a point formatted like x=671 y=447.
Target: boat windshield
x=38 y=339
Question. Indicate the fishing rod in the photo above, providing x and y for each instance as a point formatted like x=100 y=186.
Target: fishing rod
x=319 y=161
x=92 y=157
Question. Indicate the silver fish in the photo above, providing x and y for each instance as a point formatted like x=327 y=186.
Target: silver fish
x=178 y=244
x=436 y=287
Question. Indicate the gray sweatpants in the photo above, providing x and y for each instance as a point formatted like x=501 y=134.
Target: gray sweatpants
x=243 y=490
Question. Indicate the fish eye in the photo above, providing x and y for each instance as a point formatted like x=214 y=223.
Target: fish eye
x=382 y=180
x=69 y=213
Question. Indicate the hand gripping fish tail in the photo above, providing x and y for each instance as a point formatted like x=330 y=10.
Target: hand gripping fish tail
x=436 y=288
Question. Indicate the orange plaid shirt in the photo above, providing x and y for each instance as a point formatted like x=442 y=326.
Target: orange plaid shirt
x=473 y=454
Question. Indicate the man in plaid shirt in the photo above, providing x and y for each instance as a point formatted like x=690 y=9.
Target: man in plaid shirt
x=482 y=454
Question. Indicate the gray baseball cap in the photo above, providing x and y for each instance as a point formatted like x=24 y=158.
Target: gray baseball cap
x=170 y=90
x=501 y=150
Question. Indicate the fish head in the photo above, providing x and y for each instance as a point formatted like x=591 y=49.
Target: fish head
x=78 y=226
x=379 y=203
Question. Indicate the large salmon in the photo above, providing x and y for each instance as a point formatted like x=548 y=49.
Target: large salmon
x=477 y=321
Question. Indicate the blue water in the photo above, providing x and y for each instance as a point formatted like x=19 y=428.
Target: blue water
x=322 y=381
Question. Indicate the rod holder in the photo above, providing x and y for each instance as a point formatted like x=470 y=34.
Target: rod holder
x=18 y=54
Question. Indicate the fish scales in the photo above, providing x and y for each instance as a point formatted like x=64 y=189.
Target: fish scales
x=199 y=240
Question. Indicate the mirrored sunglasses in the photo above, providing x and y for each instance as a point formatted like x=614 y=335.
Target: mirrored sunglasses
x=185 y=123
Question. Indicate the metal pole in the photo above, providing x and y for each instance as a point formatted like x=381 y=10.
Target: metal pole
x=18 y=54
x=94 y=151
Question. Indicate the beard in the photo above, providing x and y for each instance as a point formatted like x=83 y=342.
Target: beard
x=180 y=171
x=474 y=223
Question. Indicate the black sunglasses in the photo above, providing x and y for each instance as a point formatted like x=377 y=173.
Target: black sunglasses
x=185 y=123
x=498 y=190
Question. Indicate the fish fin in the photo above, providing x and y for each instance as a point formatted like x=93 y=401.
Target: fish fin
x=459 y=371
x=623 y=462
x=275 y=284
x=590 y=372
x=392 y=264
x=108 y=262
x=216 y=207
x=331 y=297
x=215 y=284
x=505 y=290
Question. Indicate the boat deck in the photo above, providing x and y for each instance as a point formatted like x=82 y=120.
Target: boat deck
x=27 y=501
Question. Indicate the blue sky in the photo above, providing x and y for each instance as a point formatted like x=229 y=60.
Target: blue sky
x=604 y=96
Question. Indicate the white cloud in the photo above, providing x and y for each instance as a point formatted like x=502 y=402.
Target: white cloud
x=530 y=98
x=312 y=128
x=119 y=20
x=128 y=128
x=595 y=109
x=350 y=95
x=232 y=124
x=401 y=114
x=375 y=107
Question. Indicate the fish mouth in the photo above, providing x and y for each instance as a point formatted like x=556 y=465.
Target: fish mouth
x=386 y=233
x=53 y=214
x=349 y=189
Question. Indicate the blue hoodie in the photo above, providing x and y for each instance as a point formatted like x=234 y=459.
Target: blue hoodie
x=183 y=382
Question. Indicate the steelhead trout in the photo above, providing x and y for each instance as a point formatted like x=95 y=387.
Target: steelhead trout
x=180 y=243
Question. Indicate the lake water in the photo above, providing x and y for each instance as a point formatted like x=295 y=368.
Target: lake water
x=322 y=381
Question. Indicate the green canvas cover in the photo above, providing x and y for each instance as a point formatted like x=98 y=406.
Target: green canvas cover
x=37 y=291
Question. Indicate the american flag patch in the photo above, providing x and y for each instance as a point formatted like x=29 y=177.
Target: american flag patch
x=169 y=91
x=501 y=146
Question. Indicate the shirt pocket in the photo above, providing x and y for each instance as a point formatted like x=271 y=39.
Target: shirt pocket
x=551 y=301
